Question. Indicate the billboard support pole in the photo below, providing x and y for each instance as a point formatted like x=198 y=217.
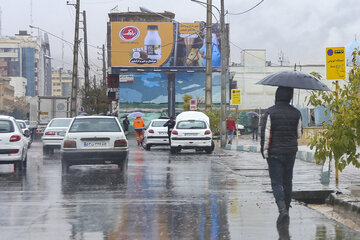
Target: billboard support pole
x=171 y=94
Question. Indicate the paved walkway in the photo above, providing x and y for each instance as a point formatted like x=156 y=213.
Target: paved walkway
x=346 y=196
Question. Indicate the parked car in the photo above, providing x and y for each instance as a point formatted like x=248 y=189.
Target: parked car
x=156 y=134
x=192 y=131
x=54 y=134
x=241 y=129
x=94 y=140
x=13 y=143
x=24 y=128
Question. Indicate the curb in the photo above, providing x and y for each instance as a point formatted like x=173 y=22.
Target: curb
x=344 y=204
x=302 y=155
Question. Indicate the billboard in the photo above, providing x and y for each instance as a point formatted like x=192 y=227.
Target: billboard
x=157 y=44
x=152 y=87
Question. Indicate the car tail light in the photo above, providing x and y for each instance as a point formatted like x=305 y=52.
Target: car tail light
x=38 y=130
x=50 y=133
x=207 y=132
x=15 y=138
x=69 y=144
x=151 y=131
x=120 y=143
x=175 y=132
x=14 y=151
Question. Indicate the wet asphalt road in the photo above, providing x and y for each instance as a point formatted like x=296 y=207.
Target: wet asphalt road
x=225 y=195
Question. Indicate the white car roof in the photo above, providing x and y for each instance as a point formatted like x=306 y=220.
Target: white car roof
x=192 y=115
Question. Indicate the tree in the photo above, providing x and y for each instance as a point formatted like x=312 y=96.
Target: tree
x=214 y=117
x=186 y=105
x=341 y=133
x=96 y=101
x=20 y=108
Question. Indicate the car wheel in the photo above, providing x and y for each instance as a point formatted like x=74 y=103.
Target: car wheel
x=123 y=166
x=18 y=165
x=173 y=150
x=45 y=150
x=208 y=150
x=148 y=146
x=64 y=166
x=24 y=162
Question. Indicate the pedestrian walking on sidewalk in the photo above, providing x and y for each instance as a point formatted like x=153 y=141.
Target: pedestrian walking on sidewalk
x=230 y=128
x=280 y=129
x=254 y=127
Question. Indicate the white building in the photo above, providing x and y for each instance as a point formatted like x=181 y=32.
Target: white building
x=254 y=67
x=19 y=84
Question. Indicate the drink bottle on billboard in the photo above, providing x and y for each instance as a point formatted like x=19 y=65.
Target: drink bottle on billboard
x=152 y=43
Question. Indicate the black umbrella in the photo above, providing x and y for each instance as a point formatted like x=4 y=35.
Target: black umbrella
x=253 y=114
x=294 y=79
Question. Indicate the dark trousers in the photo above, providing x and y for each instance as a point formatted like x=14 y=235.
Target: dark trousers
x=255 y=133
x=281 y=174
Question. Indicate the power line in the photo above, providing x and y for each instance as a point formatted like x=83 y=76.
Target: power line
x=240 y=13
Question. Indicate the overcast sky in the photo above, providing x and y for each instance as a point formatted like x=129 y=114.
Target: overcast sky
x=301 y=29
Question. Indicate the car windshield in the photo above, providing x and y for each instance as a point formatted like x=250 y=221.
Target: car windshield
x=191 y=124
x=22 y=125
x=6 y=126
x=60 y=122
x=95 y=125
x=158 y=123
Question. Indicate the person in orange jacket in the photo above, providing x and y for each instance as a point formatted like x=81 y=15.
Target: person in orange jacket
x=139 y=125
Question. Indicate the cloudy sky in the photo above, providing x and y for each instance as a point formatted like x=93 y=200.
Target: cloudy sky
x=300 y=29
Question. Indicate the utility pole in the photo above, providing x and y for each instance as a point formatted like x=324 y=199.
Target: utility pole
x=75 y=62
x=104 y=66
x=208 y=78
x=86 y=60
x=223 y=77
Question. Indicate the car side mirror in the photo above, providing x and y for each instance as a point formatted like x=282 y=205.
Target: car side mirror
x=27 y=133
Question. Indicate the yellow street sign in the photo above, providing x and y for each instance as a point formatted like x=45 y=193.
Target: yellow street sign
x=235 y=97
x=335 y=63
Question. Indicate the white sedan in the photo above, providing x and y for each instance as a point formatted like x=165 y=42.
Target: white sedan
x=156 y=134
x=13 y=143
x=54 y=134
x=94 y=140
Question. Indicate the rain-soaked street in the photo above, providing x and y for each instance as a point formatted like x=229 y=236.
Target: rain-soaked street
x=225 y=195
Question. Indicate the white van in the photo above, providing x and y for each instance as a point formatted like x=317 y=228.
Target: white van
x=192 y=131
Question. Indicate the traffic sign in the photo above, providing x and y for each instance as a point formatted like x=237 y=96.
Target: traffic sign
x=235 y=97
x=335 y=63
x=193 y=104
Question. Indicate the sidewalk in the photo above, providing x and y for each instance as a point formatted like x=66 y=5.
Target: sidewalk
x=346 y=194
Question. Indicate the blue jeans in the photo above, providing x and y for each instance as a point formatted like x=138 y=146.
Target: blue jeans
x=281 y=174
x=229 y=135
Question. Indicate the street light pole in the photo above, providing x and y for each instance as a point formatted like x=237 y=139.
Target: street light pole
x=208 y=78
x=224 y=51
x=75 y=63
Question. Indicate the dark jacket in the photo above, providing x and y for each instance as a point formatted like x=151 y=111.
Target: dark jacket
x=280 y=126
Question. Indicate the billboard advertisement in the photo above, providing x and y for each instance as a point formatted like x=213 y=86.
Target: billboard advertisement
x=157 y=44
x=153 y=87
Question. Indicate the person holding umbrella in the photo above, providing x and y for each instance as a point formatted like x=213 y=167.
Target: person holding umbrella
x=170 y=124
x=126 y=124
x=280 y=129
